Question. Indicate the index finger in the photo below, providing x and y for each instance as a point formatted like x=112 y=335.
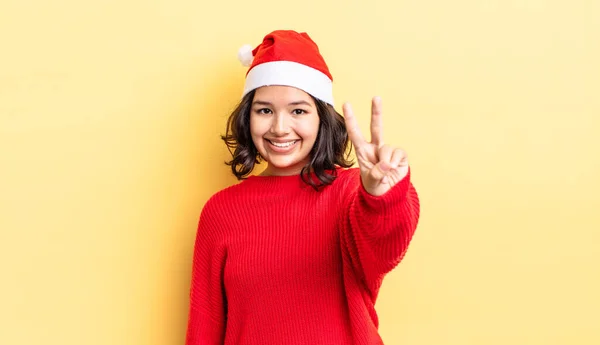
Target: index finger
x=352 y=126
x=376 y=122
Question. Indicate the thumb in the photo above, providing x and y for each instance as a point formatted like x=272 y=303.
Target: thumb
x=375 y=176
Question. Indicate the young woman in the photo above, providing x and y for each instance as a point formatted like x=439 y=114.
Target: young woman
x=297 y=254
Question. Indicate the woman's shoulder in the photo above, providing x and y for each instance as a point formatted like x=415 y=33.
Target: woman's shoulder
x=345 y=173
x=224 y=195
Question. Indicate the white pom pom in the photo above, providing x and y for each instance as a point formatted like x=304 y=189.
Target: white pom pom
x=245 y=55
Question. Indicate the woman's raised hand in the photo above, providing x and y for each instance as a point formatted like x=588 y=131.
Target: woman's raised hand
x=381 y=166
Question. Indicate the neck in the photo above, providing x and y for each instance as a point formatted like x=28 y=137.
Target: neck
x=287 y=171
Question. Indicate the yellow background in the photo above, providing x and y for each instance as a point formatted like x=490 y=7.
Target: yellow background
x=110 y=115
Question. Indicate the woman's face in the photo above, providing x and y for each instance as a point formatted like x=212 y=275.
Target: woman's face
x=284 y=124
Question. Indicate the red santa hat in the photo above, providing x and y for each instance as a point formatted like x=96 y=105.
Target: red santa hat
x=289 y=58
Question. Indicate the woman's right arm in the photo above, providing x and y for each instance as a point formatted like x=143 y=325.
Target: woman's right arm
x=208 y=304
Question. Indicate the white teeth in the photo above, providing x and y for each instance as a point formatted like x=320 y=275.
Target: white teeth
x=283 y=145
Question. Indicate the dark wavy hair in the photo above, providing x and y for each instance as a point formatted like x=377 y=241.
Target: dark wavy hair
x=332 y=146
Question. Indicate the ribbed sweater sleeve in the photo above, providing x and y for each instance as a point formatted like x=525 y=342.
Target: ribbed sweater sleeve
x=377 y=230
x=208 y=305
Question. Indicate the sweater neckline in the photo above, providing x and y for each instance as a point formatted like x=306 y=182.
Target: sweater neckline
x=274 y=179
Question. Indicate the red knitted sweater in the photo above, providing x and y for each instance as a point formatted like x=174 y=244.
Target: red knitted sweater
x=278 y=263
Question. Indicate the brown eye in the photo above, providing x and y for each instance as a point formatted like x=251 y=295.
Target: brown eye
x=264 y=111
x=298 y=112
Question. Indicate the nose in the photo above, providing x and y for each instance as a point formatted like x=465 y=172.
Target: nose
x=280 y=126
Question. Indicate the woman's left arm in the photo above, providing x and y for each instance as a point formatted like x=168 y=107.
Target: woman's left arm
x=382 y=206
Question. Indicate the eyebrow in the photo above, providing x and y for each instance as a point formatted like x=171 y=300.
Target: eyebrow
x=271 y=104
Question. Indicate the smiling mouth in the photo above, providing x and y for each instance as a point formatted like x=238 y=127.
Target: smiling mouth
x=283 y=145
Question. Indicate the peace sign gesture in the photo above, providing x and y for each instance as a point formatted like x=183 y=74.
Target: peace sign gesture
x=381 y=166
